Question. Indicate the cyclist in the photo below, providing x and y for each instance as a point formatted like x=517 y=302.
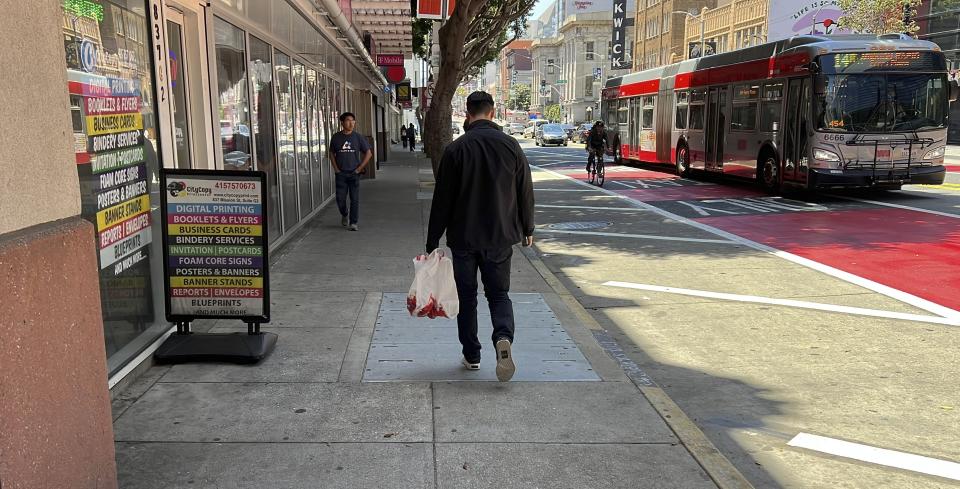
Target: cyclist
x=596 y=143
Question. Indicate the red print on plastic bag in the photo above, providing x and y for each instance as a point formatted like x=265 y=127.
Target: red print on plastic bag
x=434 y=291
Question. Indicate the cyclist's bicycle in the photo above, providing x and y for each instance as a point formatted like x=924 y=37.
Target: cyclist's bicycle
x=595 y=162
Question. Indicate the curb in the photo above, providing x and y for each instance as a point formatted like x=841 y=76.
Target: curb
x=715 y=464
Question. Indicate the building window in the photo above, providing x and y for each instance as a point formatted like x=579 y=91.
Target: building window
x=550 y=66
x=651 y=3
x=261 y=76
x=589 y=50
x=116 y=150
x=588 y=86
x=666 y=23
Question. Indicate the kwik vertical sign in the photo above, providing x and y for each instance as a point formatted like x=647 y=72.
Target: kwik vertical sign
x=215 y=245
x=619 y=34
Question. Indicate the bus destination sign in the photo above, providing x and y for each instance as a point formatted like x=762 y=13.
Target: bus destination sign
x=883 y=61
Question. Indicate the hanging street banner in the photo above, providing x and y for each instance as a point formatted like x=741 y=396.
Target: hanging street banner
x=215 y=245
x=619 y=35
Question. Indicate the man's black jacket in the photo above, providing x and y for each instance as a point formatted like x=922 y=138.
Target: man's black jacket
x=483 y=197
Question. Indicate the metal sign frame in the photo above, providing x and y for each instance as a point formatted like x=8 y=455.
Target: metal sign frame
x=259 y=176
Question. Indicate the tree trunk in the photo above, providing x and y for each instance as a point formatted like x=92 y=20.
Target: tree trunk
x=438 y=129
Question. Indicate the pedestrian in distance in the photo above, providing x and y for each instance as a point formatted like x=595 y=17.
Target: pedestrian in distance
x=403 y=135
x=483 y=201
x=412 y=137
x=349 y=154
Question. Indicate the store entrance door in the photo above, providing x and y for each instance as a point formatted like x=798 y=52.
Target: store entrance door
x=191 y=145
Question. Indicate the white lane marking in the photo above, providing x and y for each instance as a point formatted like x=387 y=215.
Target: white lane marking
x=591 y=207
x=624 y=184
x=636 y=236
x=900 y=206
x=858 y=311
x=880 y=456
x=879 y=288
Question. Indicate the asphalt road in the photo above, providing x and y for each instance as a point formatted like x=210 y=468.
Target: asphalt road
x=771 y=319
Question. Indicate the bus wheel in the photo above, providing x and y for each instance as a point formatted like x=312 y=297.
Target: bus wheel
x=617 y=155
x=770 y=172
x=683 y=161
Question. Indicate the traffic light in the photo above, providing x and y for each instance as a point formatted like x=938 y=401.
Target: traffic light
x=543 y=83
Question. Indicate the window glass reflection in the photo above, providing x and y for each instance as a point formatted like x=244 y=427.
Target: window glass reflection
x=234 y=112
x=285 y=140
x=261 y=79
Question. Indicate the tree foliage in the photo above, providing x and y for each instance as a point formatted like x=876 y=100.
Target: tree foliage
x=472 y=36
x=879 y=16
x=421 y=37
x=520 y=99
x=552 y=113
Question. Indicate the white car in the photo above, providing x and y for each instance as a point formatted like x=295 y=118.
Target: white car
x=512 y=128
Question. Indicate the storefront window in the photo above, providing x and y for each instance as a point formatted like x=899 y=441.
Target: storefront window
x=261 y=79
x=303 y=142
x=110 y=85
x=315 y=131
x=178 y=95
x=234 y=113
x=285 y=140
x=323 y=105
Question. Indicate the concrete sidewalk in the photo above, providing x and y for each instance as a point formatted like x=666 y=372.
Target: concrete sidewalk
x=356 y=395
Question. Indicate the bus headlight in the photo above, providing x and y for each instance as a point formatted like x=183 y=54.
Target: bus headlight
x=934 y=154
x=824 y=155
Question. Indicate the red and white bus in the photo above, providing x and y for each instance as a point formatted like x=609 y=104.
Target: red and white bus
x=809 y=111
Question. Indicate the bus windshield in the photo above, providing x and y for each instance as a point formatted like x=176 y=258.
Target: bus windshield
x=881 y=102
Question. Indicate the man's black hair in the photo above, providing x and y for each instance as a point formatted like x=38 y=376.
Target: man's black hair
x=479 y=103
x=344 y=116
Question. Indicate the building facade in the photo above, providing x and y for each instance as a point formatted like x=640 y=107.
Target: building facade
x=939 y=22
x=660 y=36
x=731 y=25
x=545 y=53
x=117 y=90
x=515 y=68
x=585 y=49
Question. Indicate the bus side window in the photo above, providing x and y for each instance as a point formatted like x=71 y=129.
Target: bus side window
x=744 y=117
x=647 y=108
x=682 y=109
x=771 y=107
x=697 y=99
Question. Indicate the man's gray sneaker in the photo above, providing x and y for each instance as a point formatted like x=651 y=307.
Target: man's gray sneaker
x=467 y=364
x=354 y=227
x=505 y=366
x=343 y=221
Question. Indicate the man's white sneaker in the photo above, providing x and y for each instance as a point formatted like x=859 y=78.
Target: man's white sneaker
x=505 y=366
x=354 y=227
x=467 y=364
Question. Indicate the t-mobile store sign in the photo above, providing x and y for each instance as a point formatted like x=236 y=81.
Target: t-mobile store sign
x=389 y=60
x=619 y=34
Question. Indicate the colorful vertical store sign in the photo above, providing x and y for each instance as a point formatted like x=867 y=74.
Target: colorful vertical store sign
x=113 y=154
x=215 y=245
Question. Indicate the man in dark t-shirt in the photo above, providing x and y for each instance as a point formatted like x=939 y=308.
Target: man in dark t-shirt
x=349 y=153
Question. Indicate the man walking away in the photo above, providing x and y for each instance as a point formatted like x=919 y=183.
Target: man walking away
x=349 y=154
x=403 y=135
x=483 y=200
x=412 y=137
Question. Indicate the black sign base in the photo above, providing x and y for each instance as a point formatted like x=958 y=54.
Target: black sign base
x=215 y=347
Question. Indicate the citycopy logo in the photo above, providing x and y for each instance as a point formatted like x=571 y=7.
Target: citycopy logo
x=176 y=187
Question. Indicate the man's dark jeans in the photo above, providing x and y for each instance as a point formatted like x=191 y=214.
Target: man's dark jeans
x=349 y=182
x=494 y=266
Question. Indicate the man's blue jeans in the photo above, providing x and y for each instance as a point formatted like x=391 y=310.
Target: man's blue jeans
x=494 y=266
x=349 y=183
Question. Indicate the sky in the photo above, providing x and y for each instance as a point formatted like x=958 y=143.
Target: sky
x=539 y=8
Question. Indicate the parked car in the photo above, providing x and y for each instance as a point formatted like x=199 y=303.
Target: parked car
x=551 y=134
x=512 y=128
x=582 y=132
x=569 y=129
x=531 y=130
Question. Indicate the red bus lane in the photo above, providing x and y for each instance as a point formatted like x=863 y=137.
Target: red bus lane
x=911 y=251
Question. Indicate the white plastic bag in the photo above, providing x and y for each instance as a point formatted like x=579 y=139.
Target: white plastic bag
x=434 y=291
